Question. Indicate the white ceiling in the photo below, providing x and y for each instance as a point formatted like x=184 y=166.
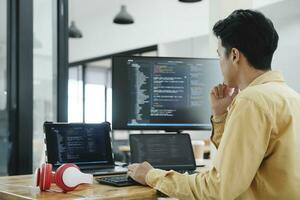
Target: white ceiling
x=156 y=21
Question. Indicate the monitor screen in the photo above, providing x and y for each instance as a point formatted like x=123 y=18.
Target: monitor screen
x=164 y=151
x=78 y=143
x=160 y=93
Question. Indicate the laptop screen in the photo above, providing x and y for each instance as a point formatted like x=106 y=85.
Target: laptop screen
x=164 y=151
x=81 y=144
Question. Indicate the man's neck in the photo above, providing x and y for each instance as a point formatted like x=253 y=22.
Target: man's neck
x=249 y=75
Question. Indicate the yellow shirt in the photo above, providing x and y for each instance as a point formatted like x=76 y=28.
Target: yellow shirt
x=258 y=144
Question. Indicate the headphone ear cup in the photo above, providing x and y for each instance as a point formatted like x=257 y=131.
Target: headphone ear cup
x=59 y=177
x=44 y=176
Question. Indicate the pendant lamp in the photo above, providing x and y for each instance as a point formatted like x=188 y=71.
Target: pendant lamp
x=74 y=32
x=123 y=17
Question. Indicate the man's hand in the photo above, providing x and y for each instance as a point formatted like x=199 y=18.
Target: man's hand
x=138 y=172
x=221 y=97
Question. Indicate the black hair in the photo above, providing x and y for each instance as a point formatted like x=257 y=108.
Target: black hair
x=251 y=33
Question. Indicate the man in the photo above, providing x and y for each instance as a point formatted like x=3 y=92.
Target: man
x=256 y=125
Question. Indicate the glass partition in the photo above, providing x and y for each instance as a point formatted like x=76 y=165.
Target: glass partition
x=44 y=72
x=4 y=145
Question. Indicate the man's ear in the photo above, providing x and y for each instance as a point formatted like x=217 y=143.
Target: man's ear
x=235 y=55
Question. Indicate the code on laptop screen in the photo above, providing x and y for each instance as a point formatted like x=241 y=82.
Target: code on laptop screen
x=78 y=144
x=166 y=151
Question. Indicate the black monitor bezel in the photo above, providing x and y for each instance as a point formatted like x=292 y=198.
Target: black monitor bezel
x=165 y=128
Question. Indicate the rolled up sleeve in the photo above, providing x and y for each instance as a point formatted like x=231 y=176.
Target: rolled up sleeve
x=218 y=123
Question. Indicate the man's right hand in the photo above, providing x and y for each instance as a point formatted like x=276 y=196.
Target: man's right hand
x=221 y=97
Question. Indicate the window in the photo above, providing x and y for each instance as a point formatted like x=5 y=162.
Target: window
x=109 y=104
x=94 y=103
x=87 y=94
x=89 y=90
x=75 y=95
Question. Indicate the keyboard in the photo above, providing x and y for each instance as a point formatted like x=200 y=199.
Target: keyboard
x=119 y=181
x=106 y=171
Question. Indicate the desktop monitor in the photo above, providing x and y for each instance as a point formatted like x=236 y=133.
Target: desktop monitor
x=162 y=93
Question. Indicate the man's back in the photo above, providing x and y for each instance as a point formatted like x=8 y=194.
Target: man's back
x=258 y=148
x=278 y=176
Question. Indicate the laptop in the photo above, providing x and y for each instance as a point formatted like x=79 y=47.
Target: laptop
x=86 y=145
x=163 y=151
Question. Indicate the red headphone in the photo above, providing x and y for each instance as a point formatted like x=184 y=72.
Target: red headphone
x=67 y=177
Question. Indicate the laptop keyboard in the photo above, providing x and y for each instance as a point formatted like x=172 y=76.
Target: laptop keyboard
x=119 y=181
x=92 y=171
x=106 y=171
x=124 y=180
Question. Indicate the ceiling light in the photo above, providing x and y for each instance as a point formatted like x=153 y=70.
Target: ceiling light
x=189 y=1
x=74 y=32
x=123 y=17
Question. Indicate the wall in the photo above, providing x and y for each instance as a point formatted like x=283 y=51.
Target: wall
x=192 y=47
x=286 y=57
